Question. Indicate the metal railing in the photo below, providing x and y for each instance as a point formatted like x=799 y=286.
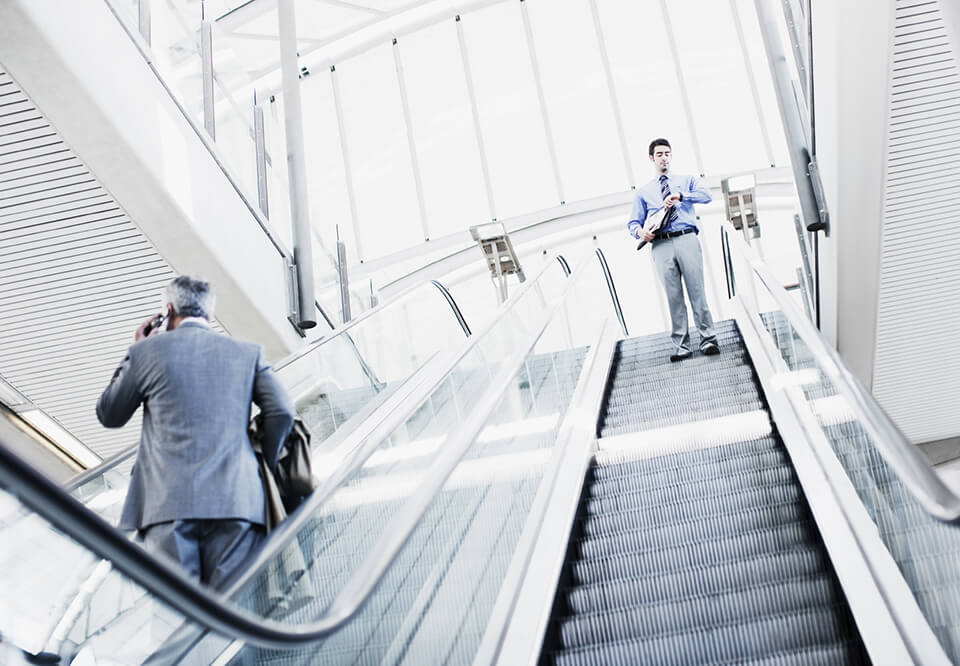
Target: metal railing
x=214 y=611
x=904 y=458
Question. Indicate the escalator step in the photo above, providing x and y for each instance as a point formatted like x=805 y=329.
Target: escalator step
x=720 y=488
x=613 y=464
x=699 y=613
x=692 y=509
x=655 y=587
x=638 y=545
x=754 y=640
x=634 y=565
x=696 y=529
x=637 y=476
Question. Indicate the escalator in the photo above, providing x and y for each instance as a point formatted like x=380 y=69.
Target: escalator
x=745 y=508
x=708 y=555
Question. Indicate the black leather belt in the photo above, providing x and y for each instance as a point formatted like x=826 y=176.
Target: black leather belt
x=674 y=234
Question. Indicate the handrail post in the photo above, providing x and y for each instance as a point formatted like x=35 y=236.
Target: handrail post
x=297 y=177
x=805 y=173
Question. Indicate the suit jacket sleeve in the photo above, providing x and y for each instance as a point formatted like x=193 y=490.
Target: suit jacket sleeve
x=120 y=399
x=277 y=410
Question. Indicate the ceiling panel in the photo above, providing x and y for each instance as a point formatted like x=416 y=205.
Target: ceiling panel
x=76 y=276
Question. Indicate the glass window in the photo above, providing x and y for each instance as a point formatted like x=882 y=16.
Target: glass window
x=761 y=73
x=646 y=81
x=578 y=101
x=388 y=216
x=446 y=143
x=326 y=177
x=509 y=112
x=722 y=105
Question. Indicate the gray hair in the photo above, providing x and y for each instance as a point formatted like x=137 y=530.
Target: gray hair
x=191 y=296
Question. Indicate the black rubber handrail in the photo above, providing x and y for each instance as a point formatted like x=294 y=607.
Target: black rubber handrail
x=613 y=291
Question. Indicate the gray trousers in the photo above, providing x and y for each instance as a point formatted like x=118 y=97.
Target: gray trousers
x=211 y=550
x=679 y=262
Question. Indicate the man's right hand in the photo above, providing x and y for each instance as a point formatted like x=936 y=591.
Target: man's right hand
x=142 y=332
x=647 y=236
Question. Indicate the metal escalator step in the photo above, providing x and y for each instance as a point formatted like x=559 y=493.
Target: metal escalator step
x=699 y=613
x=645 y=408
x=847 y=653
x=705 y=580
x=647 y=495
x=631 y=422
x=617 y=464
x=756 y=639
x=640 y=476
x=636 y=544
x=725 y=367
x=692 y=509
x=696 y=529
x=673 y=379
x=691 y=556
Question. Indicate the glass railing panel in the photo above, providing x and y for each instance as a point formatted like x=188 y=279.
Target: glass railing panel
x=95 y=606
x=925 y=549
x=56 y=596
x=434 y=602
x=332 y=382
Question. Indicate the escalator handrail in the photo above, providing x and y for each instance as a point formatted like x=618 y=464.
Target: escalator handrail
x=198 y=604
x=910 y=466
x=613 y=291
x=453 y=305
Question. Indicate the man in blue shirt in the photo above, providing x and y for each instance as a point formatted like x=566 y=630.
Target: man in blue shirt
x=675 y=248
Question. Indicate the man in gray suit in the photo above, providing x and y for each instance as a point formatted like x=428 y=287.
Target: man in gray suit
x=195 y=491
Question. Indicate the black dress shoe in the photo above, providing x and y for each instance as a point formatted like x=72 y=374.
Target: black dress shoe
x=709 y=348
x=680 y=355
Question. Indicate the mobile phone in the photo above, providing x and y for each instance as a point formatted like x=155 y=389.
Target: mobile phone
x=154 y=324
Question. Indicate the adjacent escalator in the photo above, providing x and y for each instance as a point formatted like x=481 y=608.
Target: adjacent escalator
x=703 y=554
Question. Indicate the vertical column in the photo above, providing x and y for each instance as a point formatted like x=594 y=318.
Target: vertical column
x=345 y=150
x=612 y=89
x=206 y=63
x=684 y=96
x=296 y=169
x=545 y=117
x=143 y=19
x=259 y=140
x=484 y=167
x=411 y=143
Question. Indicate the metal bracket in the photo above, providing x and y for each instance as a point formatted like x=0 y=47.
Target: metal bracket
x=824 y=223
x=293 y=295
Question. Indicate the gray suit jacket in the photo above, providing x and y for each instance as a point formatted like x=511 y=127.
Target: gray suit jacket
x=195 y=459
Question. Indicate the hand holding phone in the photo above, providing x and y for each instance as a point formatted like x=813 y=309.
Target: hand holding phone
x=150 y=326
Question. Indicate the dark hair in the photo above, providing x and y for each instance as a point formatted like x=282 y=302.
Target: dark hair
x=191 y=296
x=658 y=142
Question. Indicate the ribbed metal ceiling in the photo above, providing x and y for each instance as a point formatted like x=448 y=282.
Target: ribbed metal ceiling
x=916 y=362
x=76 y=275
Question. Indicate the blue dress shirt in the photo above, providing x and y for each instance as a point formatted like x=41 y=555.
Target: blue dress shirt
x=648 y=199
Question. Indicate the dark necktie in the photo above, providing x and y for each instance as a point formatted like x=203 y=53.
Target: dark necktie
x=672 y=213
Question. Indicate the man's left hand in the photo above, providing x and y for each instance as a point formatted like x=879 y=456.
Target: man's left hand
x=671 y=200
